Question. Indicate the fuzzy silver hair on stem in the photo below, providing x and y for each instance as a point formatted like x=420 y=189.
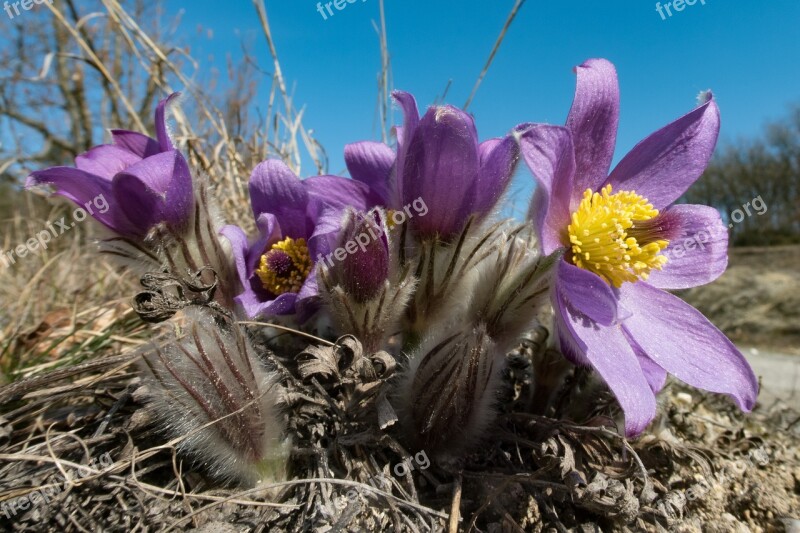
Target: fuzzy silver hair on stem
x=511 y=286
x=446 y=273
x=212 y=393
x=201 y=246
x=447 y=394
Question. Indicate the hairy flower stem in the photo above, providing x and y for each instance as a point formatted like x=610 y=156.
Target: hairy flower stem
x=196 y=248
x=446 y=273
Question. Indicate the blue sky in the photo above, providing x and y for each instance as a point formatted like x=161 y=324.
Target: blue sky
x=748 y=52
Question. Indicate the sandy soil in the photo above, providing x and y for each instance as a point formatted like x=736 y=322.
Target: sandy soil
x=779 y=374
x=757 y=301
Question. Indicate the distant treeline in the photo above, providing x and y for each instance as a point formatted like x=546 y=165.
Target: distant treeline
x=767 y=167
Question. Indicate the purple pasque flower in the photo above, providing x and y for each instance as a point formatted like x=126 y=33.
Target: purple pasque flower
x=143 y=181
x=298 y=223
x=625 y=244
x=440 y=160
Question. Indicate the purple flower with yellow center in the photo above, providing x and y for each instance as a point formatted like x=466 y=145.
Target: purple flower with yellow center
x=298 y=221
x=624 y=243
x=144 y=181
x=440 y=160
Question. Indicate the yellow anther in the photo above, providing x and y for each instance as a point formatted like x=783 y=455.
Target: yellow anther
x=606 y=223
x=285 y=266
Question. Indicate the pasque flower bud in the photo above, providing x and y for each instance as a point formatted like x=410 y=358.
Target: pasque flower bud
x=365 y=289
x=212 y=392
x=446 y=399
x=365 y=270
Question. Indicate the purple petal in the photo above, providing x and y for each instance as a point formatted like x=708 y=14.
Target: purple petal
x=308 y=299
x=697 y=256
x=669 y=161
x=106 y=161
x=405 y=133
x=275 y=189
x=338 y=192
x=255 y=307
x=548 y=152
x=157 y=189
x=326 y=232
x=654 y=374
x=498 y=160
x=486 y=148
x=135 y=143
x=162 y=134
x=238 y=241
x=269 y=232
x=593 y=121
x=69 y=182
x=683 y=342
x=309 y=288
x=569 y=347
x=371 y=163
x=441 y=167
x=586 y=292
x=609 y=353
x=82 y=188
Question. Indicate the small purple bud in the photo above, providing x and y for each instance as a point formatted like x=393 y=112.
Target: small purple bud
x=365 y=268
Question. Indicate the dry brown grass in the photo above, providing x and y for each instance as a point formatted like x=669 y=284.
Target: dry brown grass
x=67 y=304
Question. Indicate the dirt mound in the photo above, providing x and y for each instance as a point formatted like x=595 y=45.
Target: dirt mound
x=81 y=452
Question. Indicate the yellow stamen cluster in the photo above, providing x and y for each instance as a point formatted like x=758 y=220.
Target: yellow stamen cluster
x=290 y=278
x=603 y=239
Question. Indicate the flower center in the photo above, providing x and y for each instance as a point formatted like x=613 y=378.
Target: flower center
x=285 y=266
x=613 y=236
